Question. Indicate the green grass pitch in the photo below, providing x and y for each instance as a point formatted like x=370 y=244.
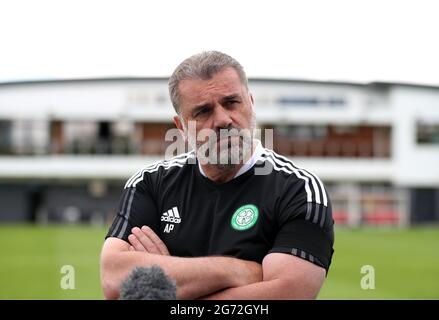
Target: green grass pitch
x=406 y=262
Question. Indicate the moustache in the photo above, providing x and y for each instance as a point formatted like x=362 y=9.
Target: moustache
x=224 y=134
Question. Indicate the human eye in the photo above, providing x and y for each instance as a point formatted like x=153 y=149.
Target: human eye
x=201 y=112
x=232 y=102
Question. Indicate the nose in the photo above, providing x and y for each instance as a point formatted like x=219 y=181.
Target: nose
x=221 y=118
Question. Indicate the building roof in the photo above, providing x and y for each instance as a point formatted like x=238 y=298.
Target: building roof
x=374 y=84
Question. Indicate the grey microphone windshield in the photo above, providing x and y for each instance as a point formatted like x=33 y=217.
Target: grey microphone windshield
x=148 y=284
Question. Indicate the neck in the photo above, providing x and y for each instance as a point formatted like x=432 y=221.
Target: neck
x=220 y=175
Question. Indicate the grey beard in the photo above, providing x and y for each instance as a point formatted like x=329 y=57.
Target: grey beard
x=229 y=163
x=227 y=159
x=229 y=155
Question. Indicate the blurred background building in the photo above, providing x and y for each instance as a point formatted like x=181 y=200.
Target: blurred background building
x=67 y=147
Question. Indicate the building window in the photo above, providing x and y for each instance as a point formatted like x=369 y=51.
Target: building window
x=332 y=141
x=102 y=137
x=311 y=101
x=5 y=137
x=25 y=136
x=427 y=133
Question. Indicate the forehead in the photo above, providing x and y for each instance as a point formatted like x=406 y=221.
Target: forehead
x=223 y=83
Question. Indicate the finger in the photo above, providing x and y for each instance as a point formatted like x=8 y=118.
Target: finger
x=145 y=241
x=156 y=240
x=131 y=248
x=135 y=243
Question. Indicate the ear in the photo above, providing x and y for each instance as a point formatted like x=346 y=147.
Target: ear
x=251 y=99
x=179 y=124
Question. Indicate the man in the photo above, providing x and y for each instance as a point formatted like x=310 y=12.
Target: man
x=232 y=220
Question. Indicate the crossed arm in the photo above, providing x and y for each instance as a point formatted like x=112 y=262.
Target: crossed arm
x=281 y=276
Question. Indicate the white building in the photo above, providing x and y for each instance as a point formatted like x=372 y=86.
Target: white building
x=67 y=146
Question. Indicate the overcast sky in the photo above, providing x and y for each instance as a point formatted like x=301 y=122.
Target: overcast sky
x=358 y=41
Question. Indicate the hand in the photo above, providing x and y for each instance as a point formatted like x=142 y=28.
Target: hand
x=144 y=239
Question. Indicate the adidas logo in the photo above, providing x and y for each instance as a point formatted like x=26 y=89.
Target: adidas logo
x=171 y=215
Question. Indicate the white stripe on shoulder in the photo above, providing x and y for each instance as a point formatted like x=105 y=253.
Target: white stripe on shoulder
x=314 y=179
x=277 y=167
x=301 y=174
x=309 y=174
x=325 y=198
x=290 y=164
x=177 y=161
x=141 y=171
